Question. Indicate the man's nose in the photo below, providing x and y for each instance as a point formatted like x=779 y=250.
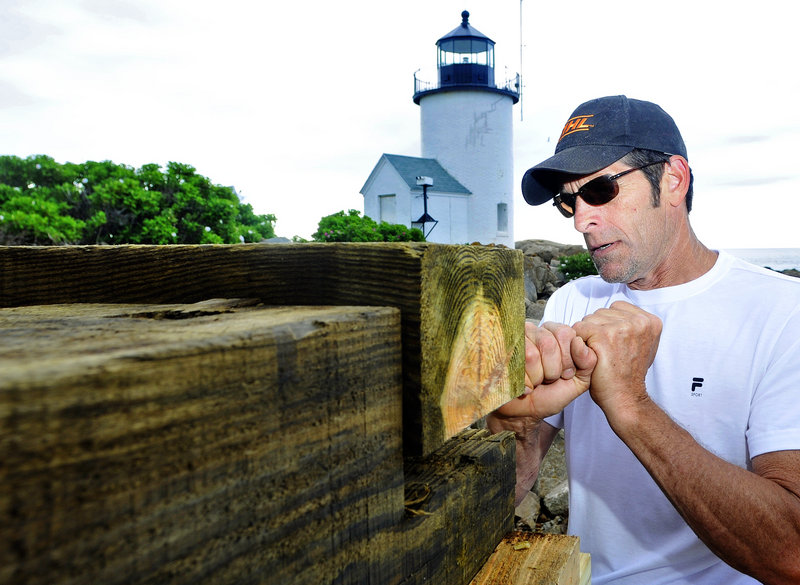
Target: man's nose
x=585 y=215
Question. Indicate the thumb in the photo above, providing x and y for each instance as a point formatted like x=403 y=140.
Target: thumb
x=583 y=356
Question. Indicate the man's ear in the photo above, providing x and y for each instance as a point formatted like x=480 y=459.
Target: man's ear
x=675 y=183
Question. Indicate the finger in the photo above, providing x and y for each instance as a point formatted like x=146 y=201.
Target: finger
x=584 y=357
x=534 y=372
x=547 y=359
x=564 y=336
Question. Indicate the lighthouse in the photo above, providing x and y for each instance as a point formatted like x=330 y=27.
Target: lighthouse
x=463 y=183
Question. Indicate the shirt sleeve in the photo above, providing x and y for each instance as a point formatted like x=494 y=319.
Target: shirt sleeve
x=774 y=423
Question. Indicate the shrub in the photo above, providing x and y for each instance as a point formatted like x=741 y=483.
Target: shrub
x=351 y=227
x=577 y=265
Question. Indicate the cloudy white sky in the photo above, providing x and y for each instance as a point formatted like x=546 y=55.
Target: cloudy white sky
x=293 y=103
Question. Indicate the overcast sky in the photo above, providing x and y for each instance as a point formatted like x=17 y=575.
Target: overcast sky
x=293 y=106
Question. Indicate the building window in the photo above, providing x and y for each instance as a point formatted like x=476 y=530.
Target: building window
x=388 y=207
x=502 y=218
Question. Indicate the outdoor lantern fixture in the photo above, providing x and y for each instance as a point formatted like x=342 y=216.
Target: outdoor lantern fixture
x=425 y=182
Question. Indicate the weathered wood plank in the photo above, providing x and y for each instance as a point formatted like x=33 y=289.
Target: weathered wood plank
x=460 y=504
x=462 y=307
x=196 y=445
x=525 y=558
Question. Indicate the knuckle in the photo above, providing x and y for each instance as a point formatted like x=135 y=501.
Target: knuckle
x=547 y=344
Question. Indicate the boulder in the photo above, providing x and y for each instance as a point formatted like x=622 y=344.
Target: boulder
x=547 y=250
x=534 y=310
x=528 y=510
x=542 y=272
x=538 y=275
x=557 y=499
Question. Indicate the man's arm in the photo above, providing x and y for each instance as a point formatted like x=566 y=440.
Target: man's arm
x=534 y=438
x=751 y=520
x=558 y=367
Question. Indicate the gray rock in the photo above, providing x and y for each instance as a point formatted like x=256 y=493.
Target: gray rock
x=529 y=509
x=557 y=499
x=547 y=250
x=542 y=270
x=557 y=525
x=554 y=467
x=534 y=310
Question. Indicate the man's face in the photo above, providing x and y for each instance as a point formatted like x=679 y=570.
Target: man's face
x=628 y=238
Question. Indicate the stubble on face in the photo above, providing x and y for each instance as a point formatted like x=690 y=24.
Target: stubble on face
x=614 y=270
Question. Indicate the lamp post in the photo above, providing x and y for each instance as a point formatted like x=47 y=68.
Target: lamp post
x=425 y=182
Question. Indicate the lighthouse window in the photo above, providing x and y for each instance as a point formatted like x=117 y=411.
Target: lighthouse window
x=502 y=218
x=459 y=51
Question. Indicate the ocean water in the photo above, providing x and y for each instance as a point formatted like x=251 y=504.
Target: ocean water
x=775 y=258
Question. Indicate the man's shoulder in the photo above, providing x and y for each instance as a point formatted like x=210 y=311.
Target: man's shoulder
x=765 y=283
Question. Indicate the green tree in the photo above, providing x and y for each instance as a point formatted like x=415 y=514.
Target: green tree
x=44 y=202
x=350 y=226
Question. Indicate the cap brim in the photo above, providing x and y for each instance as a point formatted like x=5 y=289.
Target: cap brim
x=542 y=182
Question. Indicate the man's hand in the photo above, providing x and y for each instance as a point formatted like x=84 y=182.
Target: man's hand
x=625 y=340
x=558 y=368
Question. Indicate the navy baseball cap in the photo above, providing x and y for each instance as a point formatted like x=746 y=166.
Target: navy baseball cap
x=599 y=133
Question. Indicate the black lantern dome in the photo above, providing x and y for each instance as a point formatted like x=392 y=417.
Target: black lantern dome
x=465 y=61
x=465 y=56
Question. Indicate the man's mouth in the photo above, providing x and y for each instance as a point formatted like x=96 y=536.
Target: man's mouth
x=600 y=248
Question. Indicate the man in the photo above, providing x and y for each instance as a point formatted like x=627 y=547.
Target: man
x=675 y=373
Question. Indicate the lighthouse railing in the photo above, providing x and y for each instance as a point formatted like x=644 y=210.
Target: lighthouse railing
x=511 y=85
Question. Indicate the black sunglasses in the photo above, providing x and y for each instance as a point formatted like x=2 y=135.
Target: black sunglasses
x=598 y=191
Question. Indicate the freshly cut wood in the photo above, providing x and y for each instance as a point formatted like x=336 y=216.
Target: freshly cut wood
x=586 y=569
x=526 y=558
x=462 y=307
x=211 y=443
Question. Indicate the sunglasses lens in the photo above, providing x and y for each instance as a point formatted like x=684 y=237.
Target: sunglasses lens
x=599 y=191
x=565 y=203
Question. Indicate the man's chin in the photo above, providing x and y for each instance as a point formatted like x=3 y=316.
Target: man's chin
x=613 y=273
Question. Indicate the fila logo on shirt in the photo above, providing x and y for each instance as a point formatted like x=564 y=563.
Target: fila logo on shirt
x=697 y=384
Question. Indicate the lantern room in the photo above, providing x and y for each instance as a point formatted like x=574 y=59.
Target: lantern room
x=466 y=56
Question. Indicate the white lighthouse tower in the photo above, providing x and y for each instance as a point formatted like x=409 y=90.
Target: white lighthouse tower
x=461 y=189
x=466 y=122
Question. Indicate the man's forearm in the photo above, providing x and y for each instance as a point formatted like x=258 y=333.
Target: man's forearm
x=751 y=522
x=533 y=441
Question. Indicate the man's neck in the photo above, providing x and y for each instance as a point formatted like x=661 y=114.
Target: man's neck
x=687 y=260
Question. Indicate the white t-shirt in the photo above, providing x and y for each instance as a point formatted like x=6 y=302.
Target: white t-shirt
x=727 y=370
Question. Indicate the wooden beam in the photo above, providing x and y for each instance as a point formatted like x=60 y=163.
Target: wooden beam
x=460 y=503
x=211 y=443
x=526 y=558
x=462 y=307
x=225 y=442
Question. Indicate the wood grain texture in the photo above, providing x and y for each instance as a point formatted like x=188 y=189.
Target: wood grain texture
x=462 y=307
x=201 y=444
x=525 y=558
x=464 y=504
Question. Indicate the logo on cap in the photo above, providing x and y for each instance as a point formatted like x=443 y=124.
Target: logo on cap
x=576 y=124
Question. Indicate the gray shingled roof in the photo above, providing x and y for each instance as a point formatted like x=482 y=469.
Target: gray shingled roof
x=410 y=167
